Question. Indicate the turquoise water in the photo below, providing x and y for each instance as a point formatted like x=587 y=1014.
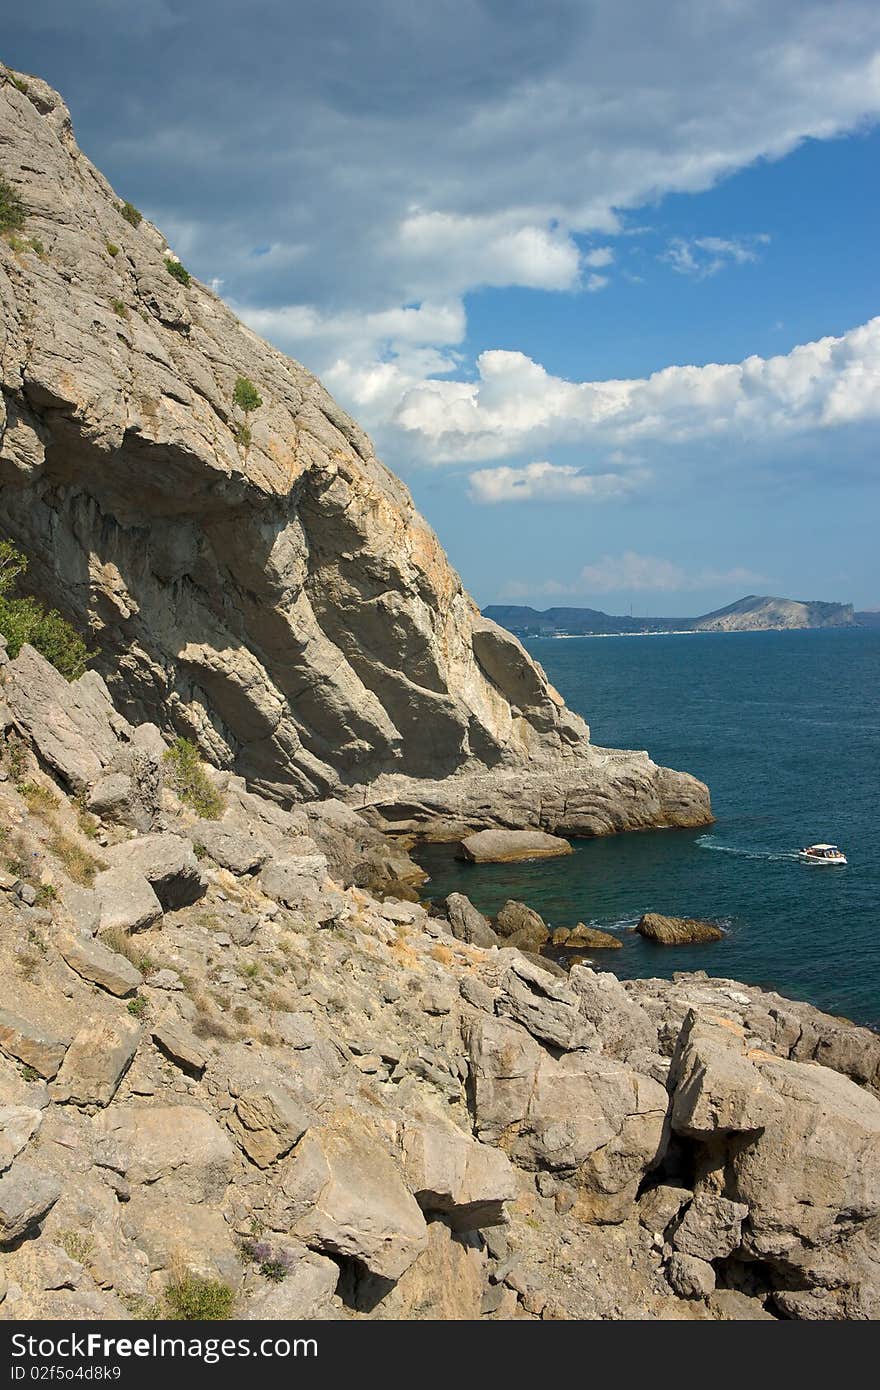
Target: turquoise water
x=785 y=729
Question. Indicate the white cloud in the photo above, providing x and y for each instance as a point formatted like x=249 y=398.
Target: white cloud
x=456 y=253
x=632 y=572
x=516 y=405
x=705 y=256
x=543 y=481
x=601 y=256
x=596 y=282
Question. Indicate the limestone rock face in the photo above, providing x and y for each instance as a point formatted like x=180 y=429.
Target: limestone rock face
x=281 y=602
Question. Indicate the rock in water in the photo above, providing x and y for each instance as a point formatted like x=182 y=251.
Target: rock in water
x=508 y=846
x=677 y=931
x=281 y=602
x=586 y=938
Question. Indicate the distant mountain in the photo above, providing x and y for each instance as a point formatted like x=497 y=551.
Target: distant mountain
x=755 y=613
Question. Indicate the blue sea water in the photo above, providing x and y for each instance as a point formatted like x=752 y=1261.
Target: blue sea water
x=785 y=729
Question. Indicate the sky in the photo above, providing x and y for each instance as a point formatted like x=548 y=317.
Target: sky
x=598 y=276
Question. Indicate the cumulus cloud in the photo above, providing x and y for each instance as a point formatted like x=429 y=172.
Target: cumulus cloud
x=706 y=255
x=543 y=481
x=516 y=405
x=632 y=572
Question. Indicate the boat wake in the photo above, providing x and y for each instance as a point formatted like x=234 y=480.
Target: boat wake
x=710 y=842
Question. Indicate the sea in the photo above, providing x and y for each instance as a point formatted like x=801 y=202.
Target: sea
x=785 y=729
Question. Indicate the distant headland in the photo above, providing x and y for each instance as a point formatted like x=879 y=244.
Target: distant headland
x=755 y=613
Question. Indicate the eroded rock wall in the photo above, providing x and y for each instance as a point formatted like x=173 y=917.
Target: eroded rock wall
x=272 y=594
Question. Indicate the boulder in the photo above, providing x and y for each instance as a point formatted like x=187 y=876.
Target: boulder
x=96 y=1061
x=710 y=1228
x=18 y=1125
x=177 y=1150
x=267 y=1120
x=348 y=1196
x=239 y=851
x=588 y=1117
x=467 y=923
x=26 y=1194
x=716 y=1086
x=94 y=961
x=456 y=1176
x=82 y=906
x=623 y=1028
x=547 y=1007
x=659 y=1206
x=167 y=862
x=30 y=1044
x=127 y=900
x=510 y=846
x=689 y=1276
x=71 y=724
x=181 y=1046
x=586 y=938
x=677 y=931
x=521 y=926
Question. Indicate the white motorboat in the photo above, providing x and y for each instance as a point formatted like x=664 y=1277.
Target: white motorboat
x=821 y=854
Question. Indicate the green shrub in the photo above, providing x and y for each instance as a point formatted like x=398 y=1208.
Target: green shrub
x=37 y=247
x=26 y=620
x=19 y=82
x=246 y=396
x=243 y=436
x=119 y=307
x=131 y=214
x=179 y=271
x=190 y=781
x=79 y=865
x=111 y=248
x=16 y=243
x=194 y=1299
x=46 y=894
x=12 y=209
x=138 y=1006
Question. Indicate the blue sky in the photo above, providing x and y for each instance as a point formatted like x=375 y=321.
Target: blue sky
x=599 y=276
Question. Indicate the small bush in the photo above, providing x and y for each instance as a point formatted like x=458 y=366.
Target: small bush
x=37 y=247
x=19 y=82
x=39 y=800
x=131 y=214
x=26 y=620
x=179 y=271
x=29 y=1073
x=16 y=243
x=190 y=780
x=15 y=755
x=243 y=436
x=273 y=1262
x=115 y=939
x=46 y=894
x=246 y=396
x=138 y=1006
x=194 y=1299
x=78 y=864
x=12 y=209
x=119 y=307
x=111 y=248
x=88 y=823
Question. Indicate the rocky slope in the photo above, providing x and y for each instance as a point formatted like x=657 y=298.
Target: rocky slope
x=221 y=1058
x=260 y=582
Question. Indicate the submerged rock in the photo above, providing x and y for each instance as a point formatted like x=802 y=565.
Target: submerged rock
x=586 y=938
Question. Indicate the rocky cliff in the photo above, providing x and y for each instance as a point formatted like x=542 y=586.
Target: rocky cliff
x=254 y=578
x=234 y=1080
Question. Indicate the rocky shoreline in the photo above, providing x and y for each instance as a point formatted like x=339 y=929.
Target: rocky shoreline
x=225 y=1060
x=244 y=1072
